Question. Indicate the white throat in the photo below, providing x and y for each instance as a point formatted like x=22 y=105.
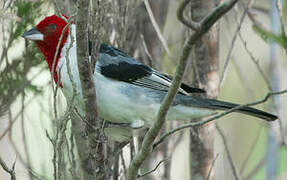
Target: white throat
x=68 y=57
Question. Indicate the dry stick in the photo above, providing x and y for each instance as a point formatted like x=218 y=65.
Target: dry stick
x=54 y=160
x=150 y=63
x=152 y=133
x=65 y=119
x=228 y=58
x=53 y=71
x=212 y=165
x=180 y=15
x=116 y=167
x=157 y=29
x=153 y=170
x=201 y=123
x=229 y=157
x=71 y=170
x=123 y=163
x=8 y=170
x=256 y=62
x=281 y=15
x=73 y=158
x=258 y=24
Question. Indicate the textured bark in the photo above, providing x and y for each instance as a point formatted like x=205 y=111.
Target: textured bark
x=93 y=161
x=205 y=69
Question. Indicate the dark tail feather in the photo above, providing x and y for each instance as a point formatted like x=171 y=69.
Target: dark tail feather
x=221 y=105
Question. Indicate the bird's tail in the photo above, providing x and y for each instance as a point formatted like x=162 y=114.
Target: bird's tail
x=222 y=105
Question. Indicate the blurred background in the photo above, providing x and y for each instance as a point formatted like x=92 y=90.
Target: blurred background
x=252 y=49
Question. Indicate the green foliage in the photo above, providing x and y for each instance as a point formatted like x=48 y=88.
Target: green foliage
x=13 y=79
x=268 y=36
x=28 y=12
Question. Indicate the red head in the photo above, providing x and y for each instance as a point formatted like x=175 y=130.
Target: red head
x=47 y=35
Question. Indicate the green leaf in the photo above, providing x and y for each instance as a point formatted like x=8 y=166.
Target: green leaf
x=268 y=36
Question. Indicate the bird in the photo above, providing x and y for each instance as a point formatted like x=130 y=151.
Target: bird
x=128 y=91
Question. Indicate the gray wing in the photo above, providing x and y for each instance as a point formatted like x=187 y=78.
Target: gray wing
x=117 y=65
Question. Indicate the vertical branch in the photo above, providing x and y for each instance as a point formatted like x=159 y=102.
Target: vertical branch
x=8 y=170
x=206 y=51
x=93 y=163
x=229 y=157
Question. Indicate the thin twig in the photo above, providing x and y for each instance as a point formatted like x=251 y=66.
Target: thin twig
x=73 y=158
x=259 y=25
x=281 y=15
x=153 y=170
x=123 y=163
x=256 y=62
x=228 y=58
x=180 y=16
x=201 y=123
x=157 y=30
x=54 y=64
x=54 y=160
x=229 y=157
x=212 y=165
x=8 y=170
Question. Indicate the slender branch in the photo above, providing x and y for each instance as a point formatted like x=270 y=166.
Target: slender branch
x=256 y=62
x=212 y=165
x=8 y=170
x=281 y=15
x=123 y=163
x=229 y=157
x=53 y=70
x=201 y=123
x=157 y=30
x=257 y=24
x=180 y=16
x=228 y=58
x=153 y=170
x=152 y=133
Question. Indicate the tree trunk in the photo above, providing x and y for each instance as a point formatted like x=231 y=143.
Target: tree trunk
x=205 y=70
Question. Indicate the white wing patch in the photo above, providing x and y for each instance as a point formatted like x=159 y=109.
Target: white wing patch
x=156 y=81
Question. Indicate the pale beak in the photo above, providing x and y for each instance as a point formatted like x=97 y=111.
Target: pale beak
x=33 y=34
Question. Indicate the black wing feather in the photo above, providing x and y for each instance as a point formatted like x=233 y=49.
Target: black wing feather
x=116 y=64
x=125 y=71
x=185 y=87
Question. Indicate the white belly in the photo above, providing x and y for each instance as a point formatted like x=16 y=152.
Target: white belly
x=116 y=102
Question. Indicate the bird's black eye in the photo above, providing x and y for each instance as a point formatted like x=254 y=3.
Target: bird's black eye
x=52 y=26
